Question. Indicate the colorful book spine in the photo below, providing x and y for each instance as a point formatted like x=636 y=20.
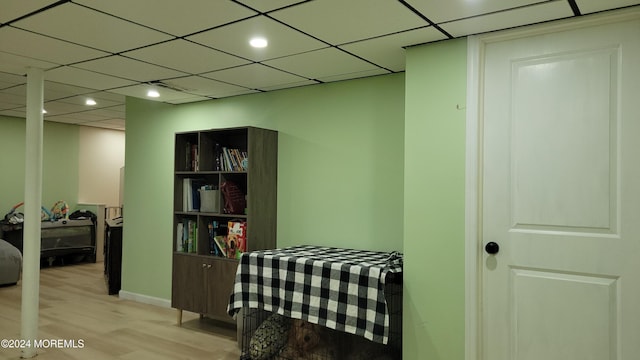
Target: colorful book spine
x=179 y=237
x=236 y=239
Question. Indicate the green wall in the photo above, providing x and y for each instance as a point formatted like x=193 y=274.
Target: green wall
x=340 y=169
x=60 y=163
x=434 y=189
x=375 y=163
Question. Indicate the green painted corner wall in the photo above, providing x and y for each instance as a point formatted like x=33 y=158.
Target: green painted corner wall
x=434 y=210
x=340 y=169
x=375 y=163
x=60 y=163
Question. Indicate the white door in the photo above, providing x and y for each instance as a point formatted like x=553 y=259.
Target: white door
x=561 y=195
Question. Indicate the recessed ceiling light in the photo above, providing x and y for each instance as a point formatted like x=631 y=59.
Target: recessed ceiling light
x=90 y=102
x=258 y=42
x=153 y=93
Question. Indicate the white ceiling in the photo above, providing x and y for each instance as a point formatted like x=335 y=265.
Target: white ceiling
x=196 y=50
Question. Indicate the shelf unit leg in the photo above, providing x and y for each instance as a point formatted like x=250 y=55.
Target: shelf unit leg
x=179 y=317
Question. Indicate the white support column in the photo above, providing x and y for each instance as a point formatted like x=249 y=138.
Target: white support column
x=32 y=204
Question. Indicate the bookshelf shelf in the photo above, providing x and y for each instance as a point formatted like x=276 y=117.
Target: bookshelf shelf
x=203 y=277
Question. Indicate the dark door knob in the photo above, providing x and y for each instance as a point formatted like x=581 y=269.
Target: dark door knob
x=492 y=248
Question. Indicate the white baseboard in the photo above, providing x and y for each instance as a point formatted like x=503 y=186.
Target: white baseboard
x=145 y=299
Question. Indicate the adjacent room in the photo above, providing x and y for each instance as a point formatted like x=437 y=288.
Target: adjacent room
x=319 y=179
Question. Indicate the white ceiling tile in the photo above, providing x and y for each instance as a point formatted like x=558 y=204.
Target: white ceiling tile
x=13 y=9
x=440 y=11
x=206 y=87
x=4 y=106
x=388 y=51
x=15 y=113
x=55 y=90
x=162 y=14
x=59 y=108
x=18 y=90
x=503 y=20
x=339 y=21
x=353 y=75
x=321 y=63
x=113 y=124
x=103 y=99
x=254 y=76
x=186 y=56
x=110 y=113
x=105 y=43
x=140 y=91
x=83 y=26
x=80 y=100
x=58 y=111
x=129 y=68
x=289 y=85
x=111 y=97
x=265 y=6
x=117 y=122
x=121 y=108
x=85 y=78
x=8 y=80
x=11 y=99
x=16 y=64
x=79 y=117
x=234 y=39
x=36 y=46
x=191 y=99
x=64 y=119
x=591 y=6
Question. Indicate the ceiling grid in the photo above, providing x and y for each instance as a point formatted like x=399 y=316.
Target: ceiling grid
x=198 y=50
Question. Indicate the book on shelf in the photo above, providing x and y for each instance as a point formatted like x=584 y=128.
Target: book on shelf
x=215 y=230
x=220 y=242
x=233 y=159
x=216 y=158
x=186 y=236
x=218 y=231
x=195 y=161
x=236 y=239
x=191 y=243
x=191 y=193
x=192 y=162
x=179 y=238
x=187 y=156
x=240 y=159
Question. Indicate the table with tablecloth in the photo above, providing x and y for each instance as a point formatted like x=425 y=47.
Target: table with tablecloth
x=342 y=289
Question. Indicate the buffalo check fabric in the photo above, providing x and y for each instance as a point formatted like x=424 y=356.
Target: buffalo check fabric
x=342 y=289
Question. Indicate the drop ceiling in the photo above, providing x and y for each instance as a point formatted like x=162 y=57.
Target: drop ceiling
x=197 y=50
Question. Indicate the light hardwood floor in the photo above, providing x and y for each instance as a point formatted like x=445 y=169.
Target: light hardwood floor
x=74 y=305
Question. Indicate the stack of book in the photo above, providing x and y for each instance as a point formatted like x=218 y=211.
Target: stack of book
x=227 y=239
x=186 y=236
x=233 y=160
x=191 y=157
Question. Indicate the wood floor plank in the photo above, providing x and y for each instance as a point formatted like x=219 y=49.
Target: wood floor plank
x=74 y=306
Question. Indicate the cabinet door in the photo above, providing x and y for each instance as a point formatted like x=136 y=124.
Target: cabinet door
x=188 y=292
x=219 y=283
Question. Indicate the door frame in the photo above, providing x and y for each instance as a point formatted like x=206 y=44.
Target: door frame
x=476 y=47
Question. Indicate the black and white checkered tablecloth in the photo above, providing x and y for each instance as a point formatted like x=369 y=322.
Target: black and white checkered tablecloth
x=341 y=289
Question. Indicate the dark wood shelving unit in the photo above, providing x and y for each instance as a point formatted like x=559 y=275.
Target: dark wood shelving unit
x=202 y=282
